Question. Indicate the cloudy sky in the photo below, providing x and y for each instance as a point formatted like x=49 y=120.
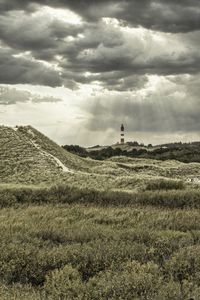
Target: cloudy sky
x=78 y=69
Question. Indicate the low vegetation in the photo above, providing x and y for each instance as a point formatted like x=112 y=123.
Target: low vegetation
x=169 y=194
x=90 y=252
x=76 y=228
x=184 y=152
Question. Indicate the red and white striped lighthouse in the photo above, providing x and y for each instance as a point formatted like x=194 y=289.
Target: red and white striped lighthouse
x=122 y=140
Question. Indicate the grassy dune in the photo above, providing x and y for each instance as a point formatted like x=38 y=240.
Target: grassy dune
x=29 y=157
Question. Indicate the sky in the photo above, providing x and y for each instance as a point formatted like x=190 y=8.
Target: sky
x=76 y=70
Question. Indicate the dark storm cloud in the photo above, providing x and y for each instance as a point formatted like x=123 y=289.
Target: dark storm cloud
x=129 y=54
x=15 y=70
x=116 y=59
x=10 y=96
x=163 y=15
x=41 y=35
x=15 y=5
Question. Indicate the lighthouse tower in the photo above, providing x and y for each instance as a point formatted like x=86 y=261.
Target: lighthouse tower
x=122 y=134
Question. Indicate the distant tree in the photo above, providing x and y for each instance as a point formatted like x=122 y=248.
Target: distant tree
x=134 y=144
x=76 y=150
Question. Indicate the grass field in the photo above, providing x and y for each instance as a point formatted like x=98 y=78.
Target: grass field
x=75 y=228
x=92 y=252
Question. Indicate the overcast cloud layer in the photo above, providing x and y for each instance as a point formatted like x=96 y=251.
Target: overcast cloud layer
x=95 y=64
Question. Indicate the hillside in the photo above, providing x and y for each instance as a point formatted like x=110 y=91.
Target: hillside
x=29 y=157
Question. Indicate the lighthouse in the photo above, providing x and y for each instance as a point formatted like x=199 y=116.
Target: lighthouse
x=122 y=134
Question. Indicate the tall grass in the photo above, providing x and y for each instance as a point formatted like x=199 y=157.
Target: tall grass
x=62 y=193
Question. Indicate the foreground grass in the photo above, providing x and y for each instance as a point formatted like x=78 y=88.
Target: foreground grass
x=91 y=252
x=160 y=193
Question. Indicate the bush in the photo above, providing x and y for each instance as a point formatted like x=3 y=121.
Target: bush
x=132 y=281
x=172 y=290
x=64 y=283
x=185 y=265
x=25 y=264
x=20 y=292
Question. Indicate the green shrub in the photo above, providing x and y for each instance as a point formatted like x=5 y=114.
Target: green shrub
x=64 y=283
x=185 y=265
x=169 y=291
x=25 y=264
x=98 y=256
x=132 y=281
x=20 y=292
